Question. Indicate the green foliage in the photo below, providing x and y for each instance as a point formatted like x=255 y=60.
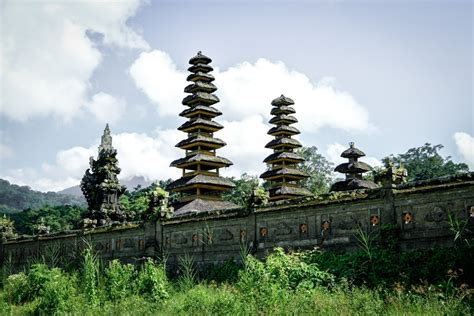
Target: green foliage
x=50 y=287
x=423 y=163
x=187 y=277
x=138 y=200
x=119 y=280
x=242 y=191
x=58 y=218
x=318 y=168
x=90 y=276
x=152 y=281
x=283 y=284
x=7 y=228
x=225 y=272
x=15 y=198
x=16 y=288
x=158 y=204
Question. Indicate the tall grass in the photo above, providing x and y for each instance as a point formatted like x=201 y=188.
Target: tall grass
x=283 y=284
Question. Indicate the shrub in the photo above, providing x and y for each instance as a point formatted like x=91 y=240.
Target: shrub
x=51 y=287
x=119 y=280
x=209 y=300
x=16 y=288
x=90 y=276
x=152 y=281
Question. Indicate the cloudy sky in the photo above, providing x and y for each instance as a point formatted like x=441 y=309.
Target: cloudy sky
x=389 y=75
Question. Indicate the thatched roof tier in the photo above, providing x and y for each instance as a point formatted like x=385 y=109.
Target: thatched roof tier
x=200 y=76
x=285 y=191
x=282 y=110
x=283 y=119
x=200 y=59
x=352 y=152
x=200 y=109
x=200 y=68
x=353 y=184
x=286 y=156
x=200 y=123
x=189 y=162
x=200 y=86
x=201 y=180
x=282 y=100
x=198 y=206
x=287 y=173
x=283 y=130
x=283 y=142
x=353 y=167
x=194 y=141
x=202 y=98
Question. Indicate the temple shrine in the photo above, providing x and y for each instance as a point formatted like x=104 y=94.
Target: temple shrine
x=283 y=174
x=201 y=184
x=353 y=171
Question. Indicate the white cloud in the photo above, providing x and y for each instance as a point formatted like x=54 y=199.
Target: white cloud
x=6 y=152
x=465 y=145
x=106 y=108
x=33 y=179
x=149 y=157
x=138 y=155
x=246 y=141
x=47 y=57
x=156 y=75
x=247 y=90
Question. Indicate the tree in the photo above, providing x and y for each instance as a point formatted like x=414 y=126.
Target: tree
x=243 y=189
x=318 y=168
x=425 y=162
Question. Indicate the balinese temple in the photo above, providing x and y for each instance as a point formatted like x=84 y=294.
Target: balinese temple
x=283 y=173
x=353 y=171
x=101 y=186
x=201 y=185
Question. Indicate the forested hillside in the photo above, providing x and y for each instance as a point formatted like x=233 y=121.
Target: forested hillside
x=15 y=198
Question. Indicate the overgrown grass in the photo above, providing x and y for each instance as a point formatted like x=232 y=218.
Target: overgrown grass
x=283 y=284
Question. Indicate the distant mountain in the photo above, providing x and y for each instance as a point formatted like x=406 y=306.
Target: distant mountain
x=15 y=198
x=130 y=184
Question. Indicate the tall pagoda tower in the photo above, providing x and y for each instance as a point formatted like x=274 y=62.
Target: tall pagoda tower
x=201 y=185
x=353 y=171
x=284 y=174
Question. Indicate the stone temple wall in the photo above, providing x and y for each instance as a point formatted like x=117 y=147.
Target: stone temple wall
x=422 y=211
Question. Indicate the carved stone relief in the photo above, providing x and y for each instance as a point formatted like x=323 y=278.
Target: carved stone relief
x=283 y=229
x=436 y=215
x=180 y=239
x=225 y=235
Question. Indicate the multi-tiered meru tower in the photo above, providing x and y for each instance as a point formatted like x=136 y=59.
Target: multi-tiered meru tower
x=353 y=171
x=201 y=185
x=284 y=174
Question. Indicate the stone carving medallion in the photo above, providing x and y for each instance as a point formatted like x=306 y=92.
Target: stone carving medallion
x=283 y=229
x=436 y=215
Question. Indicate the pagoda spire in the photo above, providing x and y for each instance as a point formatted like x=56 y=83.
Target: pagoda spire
x=353 y=171
x=284 y=174
x=106 y=140
x=201 y=184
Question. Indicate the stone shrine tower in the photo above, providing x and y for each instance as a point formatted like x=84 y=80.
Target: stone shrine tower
x=201 y=184
x=101 y=186
x=284 y=173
